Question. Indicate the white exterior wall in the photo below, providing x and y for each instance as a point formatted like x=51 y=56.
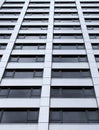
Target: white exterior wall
x=44 y=103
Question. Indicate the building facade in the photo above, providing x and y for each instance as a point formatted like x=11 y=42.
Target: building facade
x=49 y=64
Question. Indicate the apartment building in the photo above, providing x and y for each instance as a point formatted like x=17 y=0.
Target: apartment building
x=49 y=64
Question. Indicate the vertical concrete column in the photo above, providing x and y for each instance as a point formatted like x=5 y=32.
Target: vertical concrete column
x=12 y=40
x=89 y=52
x=45 y=96
x=1 y=2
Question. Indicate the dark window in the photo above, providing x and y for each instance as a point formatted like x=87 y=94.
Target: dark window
x=97 y=58
x=93 y=116
x=63 y=36
x=39 y=36
x=2 y=46
x=94 y=36
x=29 y=46
x=63 y=73
x=39 y=20
x=67 y=27
x=26 y=59
x=95 y=46
x=34 y=27
x=37 y=13
x=65 y=13
x=23 y=73
x=19 y=116
x=6 y=20
x=74 y=116
x=4 y=36
x=72 y=92
x=4 y=93
x=0 y=58
x=63 y=58
x=27 y=92
x=68 y=46
x=6 y=27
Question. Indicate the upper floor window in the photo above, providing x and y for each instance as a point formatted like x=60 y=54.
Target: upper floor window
x=19 y=115
x=71 y=73
x=67 y=28
x=64 y=58
x=66 y=20
x=0 y=57
x=2 y=46
x=74 y=115
x=92 y=19
x=66 y=36
x=20 y=92
x=9 y=13
x=10 y=20
x=72 y=92
x=95 y=46
x=26 y=59
x=39 y=36
x=6 y=27
x=34 y=28
x=65 y=2
x=35 y=20
x=68 y=46
x=40 y=14
x=66 y=13
x=5 y=36
x=37 y=73
x=94 y=36
x=29 y=46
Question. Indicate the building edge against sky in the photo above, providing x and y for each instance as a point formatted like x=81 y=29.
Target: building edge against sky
x=49 y=62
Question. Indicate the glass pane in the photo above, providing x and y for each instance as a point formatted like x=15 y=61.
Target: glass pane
x=55 y=92
x=97 y=59
x=89 y=92
x=33 y=116
x=56 y=59
x=36 y=92
x=80 y=47
x=95 y=47
x=14 y=117
x=0 y=115
x=83 y=59
x=68 y=47
x=93 y=116
x=72 y=93
x=56 y=46
x=85 y=74
x=74 y=117
x=55 y=116
x=25 y=59
x=2 y=47
x=38 y=74
x=30 y=47
x=69 y=59
x=41 y=46
x=17 y=47
x=19 y=93
x=56 y=74
x=9 y=74
x=3 y=93
x=14 y=59
x=71 y=74
x=39 y=59
x=23 y=75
